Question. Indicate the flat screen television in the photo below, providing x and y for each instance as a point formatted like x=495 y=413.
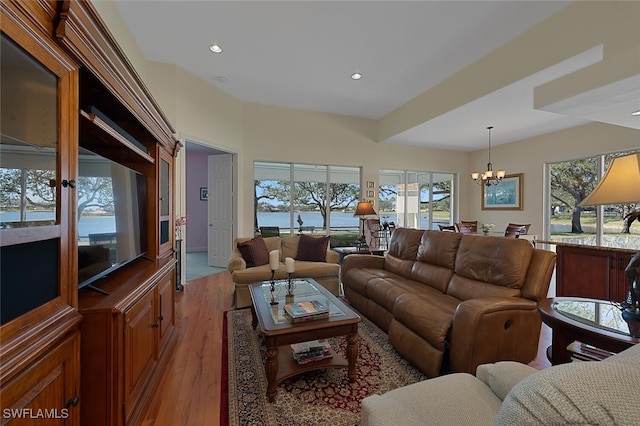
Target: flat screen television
x=111 y=217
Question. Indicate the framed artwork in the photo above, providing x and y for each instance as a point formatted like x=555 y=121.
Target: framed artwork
x=204 y=194
x=370 y=194
x=370 y=184
x=373 y=202
x=507 y=195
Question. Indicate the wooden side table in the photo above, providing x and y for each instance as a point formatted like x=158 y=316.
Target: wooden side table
x=592 y=321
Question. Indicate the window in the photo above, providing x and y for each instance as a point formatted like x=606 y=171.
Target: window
x=415 y=199
x=306 y=198
x=569 y=183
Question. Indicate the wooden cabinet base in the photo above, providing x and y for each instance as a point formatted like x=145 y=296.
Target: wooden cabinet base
x=127 y=340
x=47 y=390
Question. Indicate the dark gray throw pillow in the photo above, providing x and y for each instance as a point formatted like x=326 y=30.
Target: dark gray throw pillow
x=312 y=249
x=254 y=252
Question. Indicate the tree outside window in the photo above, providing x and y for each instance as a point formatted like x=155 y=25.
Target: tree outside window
x=611 y=225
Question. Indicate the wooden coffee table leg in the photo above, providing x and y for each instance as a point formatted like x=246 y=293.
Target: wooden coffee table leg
x=271 y=370
x=352 y=355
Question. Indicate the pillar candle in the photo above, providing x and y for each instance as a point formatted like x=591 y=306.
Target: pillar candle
x=289 y=263
x=274 y=259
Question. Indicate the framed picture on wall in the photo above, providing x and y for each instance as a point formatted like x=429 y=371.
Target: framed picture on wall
x=507 y=195
x=370 y=184
x=204 y=194
x=369 y=194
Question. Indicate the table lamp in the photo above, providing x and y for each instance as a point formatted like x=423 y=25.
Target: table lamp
x=621 y=185
x=364 y=209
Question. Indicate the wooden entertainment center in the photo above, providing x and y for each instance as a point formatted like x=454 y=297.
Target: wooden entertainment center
x=82 y=356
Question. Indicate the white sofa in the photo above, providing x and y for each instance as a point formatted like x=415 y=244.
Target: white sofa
x=510 y=393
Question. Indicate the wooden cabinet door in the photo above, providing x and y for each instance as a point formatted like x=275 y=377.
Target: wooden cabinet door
x=584 y=272
x=47 y=392
x=139 y=348
x=166 y=307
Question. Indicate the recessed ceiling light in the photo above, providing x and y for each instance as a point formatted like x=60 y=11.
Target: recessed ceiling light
x=636 y=112
x=356 y=76
x=215 y=48
x=221 y=79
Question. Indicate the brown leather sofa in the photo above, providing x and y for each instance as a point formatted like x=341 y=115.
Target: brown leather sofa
x=446 y=297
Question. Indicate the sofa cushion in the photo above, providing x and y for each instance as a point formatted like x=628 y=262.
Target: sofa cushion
x=496 y=260
x=439 y=248
x=455 y=399
x=563 y=394
x=312 y=249
x=254 y=251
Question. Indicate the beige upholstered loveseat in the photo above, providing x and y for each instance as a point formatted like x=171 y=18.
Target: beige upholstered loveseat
x=447 y=297
x=325 y=272
x=509 y=393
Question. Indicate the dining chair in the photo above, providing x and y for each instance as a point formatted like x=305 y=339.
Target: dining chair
x=514 y=231
x=464 y=229
x=472 y=223
x=392 y=227
x=526 y=227
x=377 y=233
x=447 y=228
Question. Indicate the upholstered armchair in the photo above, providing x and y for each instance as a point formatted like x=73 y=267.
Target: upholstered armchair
x=510 y=393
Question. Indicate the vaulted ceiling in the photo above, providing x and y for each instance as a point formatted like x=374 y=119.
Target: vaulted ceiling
x=434 y=73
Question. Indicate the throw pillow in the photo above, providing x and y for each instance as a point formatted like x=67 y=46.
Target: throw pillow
x=254 y=252
x=312 y=249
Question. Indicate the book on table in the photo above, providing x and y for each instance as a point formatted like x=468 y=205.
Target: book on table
x=306 y=310
x=314 y=350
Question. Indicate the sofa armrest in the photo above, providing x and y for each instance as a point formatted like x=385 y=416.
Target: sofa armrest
x=503 y=375
x=361 y=261
x=236 y=262
x=491 y=329
x=332 y=256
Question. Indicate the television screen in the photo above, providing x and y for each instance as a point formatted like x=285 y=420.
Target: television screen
x=111 y=216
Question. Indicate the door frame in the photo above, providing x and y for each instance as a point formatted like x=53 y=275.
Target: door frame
x=182 y=191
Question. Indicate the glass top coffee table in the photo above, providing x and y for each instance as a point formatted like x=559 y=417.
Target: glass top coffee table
x=279 y=333
x=595 y=322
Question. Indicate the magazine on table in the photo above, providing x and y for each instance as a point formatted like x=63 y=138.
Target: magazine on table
x=306 y=309
x=314 y=350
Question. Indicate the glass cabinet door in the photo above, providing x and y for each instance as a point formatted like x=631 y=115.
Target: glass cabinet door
x=29 y=144
x=31 y=194
x=165 y=166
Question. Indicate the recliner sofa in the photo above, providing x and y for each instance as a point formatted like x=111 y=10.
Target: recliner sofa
x=444 y=297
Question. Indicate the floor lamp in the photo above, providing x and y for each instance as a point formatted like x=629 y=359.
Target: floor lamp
x=621 y=185
x=364 y=209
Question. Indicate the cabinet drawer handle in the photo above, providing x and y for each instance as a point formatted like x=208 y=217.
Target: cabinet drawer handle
x=155 y=325
x=160 y=317
x=73 y=402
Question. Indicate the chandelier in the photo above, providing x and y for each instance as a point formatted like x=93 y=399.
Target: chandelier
x=488 y=177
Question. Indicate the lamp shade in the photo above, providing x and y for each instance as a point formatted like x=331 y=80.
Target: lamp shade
x=620 y=184
x=364 y=208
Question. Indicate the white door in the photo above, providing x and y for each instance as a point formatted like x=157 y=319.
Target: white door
x=219 y=208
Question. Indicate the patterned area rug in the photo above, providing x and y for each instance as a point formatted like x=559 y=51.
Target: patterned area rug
x=323 y=397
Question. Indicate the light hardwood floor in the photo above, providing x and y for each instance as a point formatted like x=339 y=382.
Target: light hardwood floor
x=189 y=393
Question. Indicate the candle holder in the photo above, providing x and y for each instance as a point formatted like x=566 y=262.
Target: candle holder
x=291 y=285
x=273 y=288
